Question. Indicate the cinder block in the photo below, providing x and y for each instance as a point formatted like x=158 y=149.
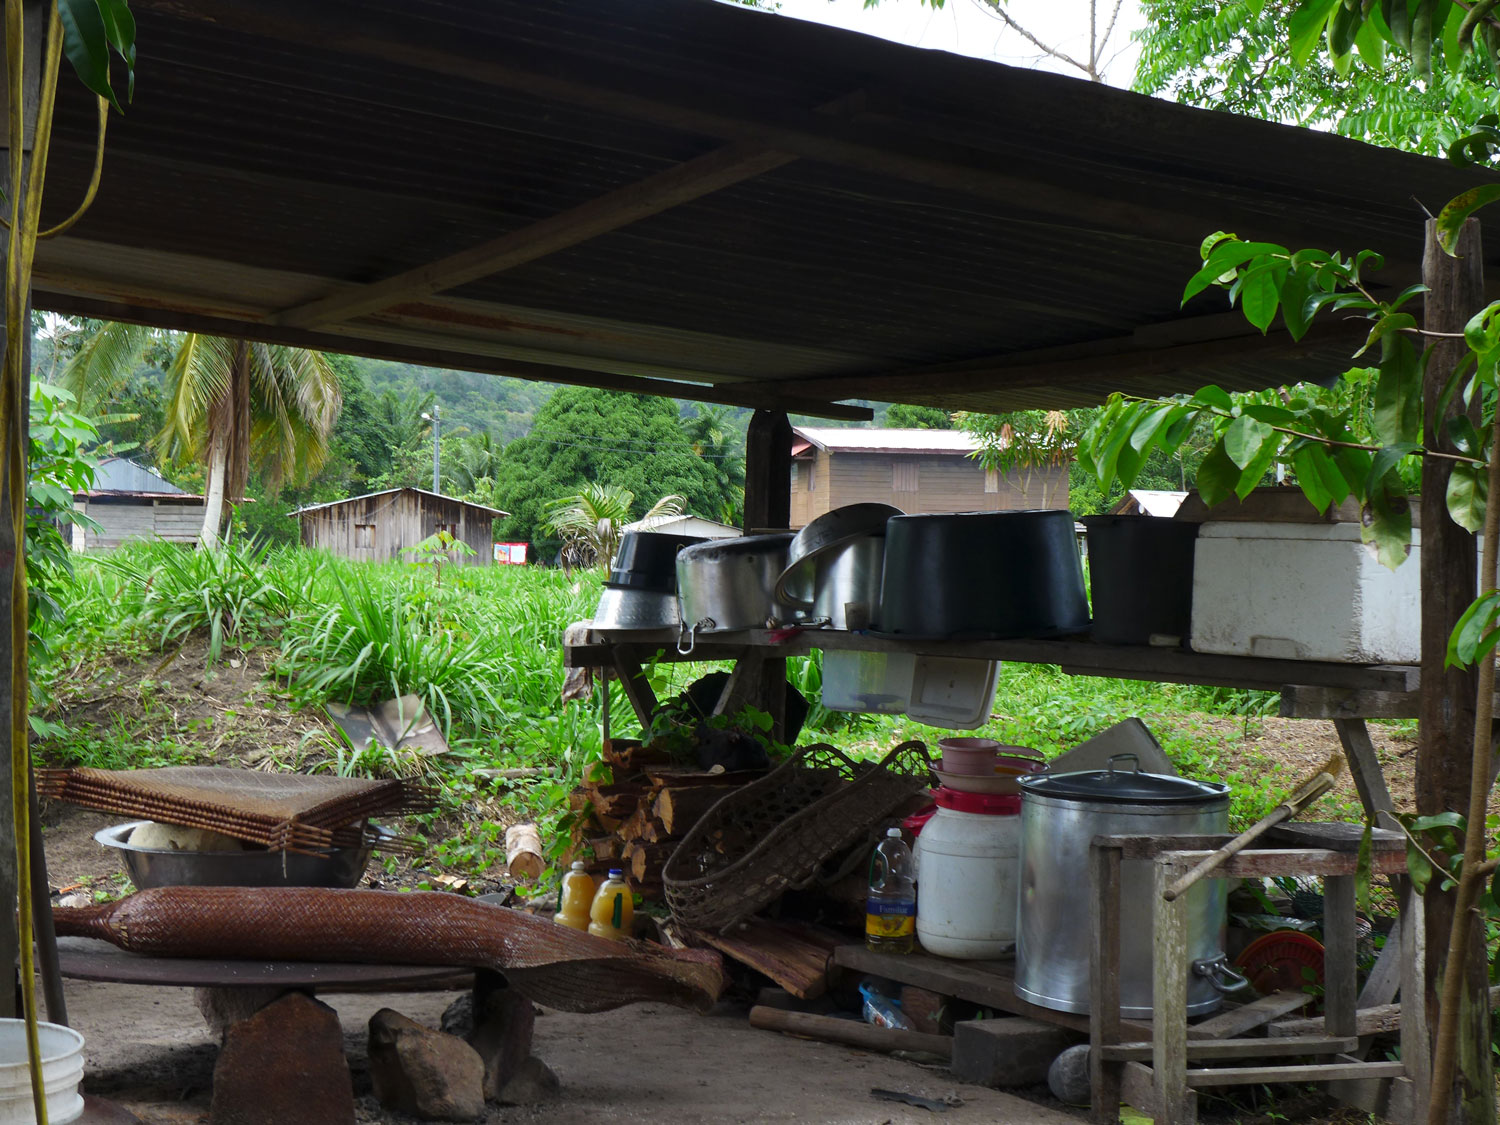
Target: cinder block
x=1009 y=1051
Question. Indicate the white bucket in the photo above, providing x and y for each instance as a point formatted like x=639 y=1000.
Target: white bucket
x=62 y=1068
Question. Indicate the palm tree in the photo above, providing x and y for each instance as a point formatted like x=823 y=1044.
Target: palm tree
x=476 y=465
x=231 y=400
x=717 y=441
x=591 y=522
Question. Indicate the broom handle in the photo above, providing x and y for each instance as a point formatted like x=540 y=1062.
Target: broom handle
x=1284 y=811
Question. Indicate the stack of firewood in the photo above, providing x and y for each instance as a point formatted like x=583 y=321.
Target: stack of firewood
x=637 y=806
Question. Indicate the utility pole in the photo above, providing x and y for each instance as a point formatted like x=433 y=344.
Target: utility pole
x=436 y=421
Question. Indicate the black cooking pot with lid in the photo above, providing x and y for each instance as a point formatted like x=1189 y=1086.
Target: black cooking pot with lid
x=982 y=576
x=647 y=560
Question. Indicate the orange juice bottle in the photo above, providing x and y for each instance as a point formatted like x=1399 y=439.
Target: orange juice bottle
x=577 y=897
x=613 y=908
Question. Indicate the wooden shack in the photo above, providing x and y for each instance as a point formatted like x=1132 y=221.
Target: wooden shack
x=914 y=470
x=130 y=501
x=381 y=526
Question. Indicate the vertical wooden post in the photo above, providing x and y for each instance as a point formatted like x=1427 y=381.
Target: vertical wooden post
x=1340 y=972
x=1449 y=584
x=768 y=507
x=1104 y=983
x=1175 y=1104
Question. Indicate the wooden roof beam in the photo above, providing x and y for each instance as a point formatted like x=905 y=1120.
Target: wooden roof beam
x=1120 y=358
x=696 y=178
x=772 y=395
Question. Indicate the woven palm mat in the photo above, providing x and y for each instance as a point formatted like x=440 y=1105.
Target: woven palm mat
x=283 y=812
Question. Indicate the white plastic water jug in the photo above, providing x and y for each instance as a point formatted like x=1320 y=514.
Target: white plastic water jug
x=968 y=864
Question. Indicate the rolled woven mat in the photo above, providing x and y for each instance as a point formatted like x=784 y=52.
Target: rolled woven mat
x=553 y=965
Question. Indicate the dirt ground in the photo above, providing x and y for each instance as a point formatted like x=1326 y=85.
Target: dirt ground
x=149 y=1052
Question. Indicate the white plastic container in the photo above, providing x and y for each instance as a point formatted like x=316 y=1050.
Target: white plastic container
x=62 y=1069
x=968 y=871
x=874 y=682
x=1303 y=591
x=957 y=692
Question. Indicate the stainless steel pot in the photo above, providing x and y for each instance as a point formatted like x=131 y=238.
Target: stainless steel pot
x=839 y=588
x=729 y=584
x=624 y=608
x=1060 y=816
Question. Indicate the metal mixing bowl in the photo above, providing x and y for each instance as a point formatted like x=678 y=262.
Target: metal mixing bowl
x=167 y=867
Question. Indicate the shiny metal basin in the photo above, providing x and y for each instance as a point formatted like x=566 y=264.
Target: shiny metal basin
x=167 y=867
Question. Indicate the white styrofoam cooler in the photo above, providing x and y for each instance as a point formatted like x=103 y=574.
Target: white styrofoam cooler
x=1303 y=592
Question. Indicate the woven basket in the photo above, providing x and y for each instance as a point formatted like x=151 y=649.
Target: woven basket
x=773 y=834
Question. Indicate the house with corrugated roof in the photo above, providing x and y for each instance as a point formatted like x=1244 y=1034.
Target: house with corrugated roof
x=130 y=501
x=381 y=526
x=914 y=470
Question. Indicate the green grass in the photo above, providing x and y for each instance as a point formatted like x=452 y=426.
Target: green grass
x=482 y=646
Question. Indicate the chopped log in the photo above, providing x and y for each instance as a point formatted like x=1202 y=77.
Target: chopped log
x=627 y=756
x=847 y=1031
x=643 y=826
x=523 y=853
x=615 y=803
x=679 y=807
x=680 y=776
x=796 y=955
x=643 y=862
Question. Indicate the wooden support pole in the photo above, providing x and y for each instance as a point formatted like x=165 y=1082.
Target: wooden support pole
x=1169 y=992
x=768 y=507
x=1449 y=584
x=1364 y=766
x=1105 y=1076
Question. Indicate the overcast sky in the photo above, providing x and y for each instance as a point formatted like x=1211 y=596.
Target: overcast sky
x=972 y=28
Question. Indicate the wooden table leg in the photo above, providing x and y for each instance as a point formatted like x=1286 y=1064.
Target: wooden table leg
x=1175 y=1103
x=1105 y=1078
x=637 y=687
x=1340 y=973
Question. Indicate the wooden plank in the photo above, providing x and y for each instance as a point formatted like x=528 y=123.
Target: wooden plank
x=1301 y=861
x=1310 y=1072
x=1305 y=701
x=637 y=687
x=1387 y=1098
x=1416 y=1045
x=683 y=183
x=1247 y=1017
x=991 y=983
x=1369 y=778
x=848 y=1031
x=796 y=958
x=1340 y=972
x=1076 y=657
x=1257 y=1047
x=1385 y=978
x=1137 y=1089
x=1169 y=997
x=1104 y=983
x=1333 y=835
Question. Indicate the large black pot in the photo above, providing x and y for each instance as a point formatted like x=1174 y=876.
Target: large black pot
x=647 y=560
x=982 y=576
x=1141 y=574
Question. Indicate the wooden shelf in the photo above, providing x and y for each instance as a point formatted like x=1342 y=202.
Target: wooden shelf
x=1078 y=657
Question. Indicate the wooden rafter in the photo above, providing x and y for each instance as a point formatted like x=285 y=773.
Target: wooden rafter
x=773 y=396
x=1122 y=358
x=680 y=184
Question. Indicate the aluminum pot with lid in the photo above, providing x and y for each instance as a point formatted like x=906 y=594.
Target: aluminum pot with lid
x=1060 y=815
x=729 y=584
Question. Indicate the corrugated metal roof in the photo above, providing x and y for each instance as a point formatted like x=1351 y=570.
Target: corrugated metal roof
x=120 y=474
x=858 y=439
x=942 y=230
x=392 y=492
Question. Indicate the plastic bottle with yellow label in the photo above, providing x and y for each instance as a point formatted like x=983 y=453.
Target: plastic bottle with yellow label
x=577 y=898
x=891 y=907
x=613 y=908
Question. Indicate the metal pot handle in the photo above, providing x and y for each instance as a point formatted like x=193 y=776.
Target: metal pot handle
x=1217 y=972
x=688 y=636
x=1117 y=757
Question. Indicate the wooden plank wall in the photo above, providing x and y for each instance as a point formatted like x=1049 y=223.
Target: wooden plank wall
x=127 y=519
x=397 y=522
x=944 y=484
